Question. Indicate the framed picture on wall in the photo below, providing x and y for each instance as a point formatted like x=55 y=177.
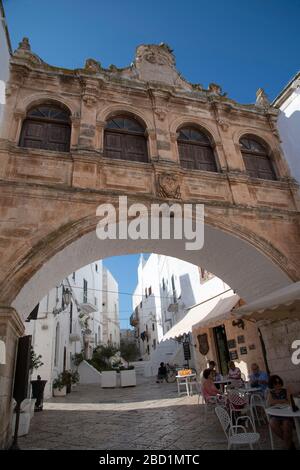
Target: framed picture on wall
x=241 y=339
x=243 y=350
x=252 y=346
x=231 y=343
x=233 y=355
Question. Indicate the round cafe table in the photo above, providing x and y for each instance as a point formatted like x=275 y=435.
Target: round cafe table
x=222 y=382
x=286 y=412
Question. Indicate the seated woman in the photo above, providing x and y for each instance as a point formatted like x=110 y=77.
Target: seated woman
x=235 y=375
x=282 y=426
x=209 y=390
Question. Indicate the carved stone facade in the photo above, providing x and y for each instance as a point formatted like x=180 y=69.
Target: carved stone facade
x=49 y=198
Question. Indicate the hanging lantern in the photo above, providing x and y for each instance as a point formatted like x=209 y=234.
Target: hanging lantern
x=66 y=296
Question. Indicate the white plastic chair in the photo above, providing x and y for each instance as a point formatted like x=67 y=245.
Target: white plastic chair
x=239 y=406
x=257 y=405
x=234 y=437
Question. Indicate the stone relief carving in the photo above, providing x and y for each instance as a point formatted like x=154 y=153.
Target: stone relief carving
x=169 y=186
x=223 y=124
x=160 y=113
x=156 y=55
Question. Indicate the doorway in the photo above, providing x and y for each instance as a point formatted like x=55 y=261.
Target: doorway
x=221 y=348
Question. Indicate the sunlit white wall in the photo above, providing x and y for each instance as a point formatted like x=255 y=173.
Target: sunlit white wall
x=289 y=125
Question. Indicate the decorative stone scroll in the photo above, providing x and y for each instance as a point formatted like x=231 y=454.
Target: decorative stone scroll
x=262 y=99
x=92 y=65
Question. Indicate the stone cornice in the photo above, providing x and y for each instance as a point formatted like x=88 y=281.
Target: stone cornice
x=93 y=196
x=110 y=81
x=9 y=315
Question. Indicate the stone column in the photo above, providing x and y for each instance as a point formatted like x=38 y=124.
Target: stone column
x=87 y=131
x=160 y=103
x=99 y=138
x=152 y=147
x=75 y=131
x=11 y=328
x=17 y=121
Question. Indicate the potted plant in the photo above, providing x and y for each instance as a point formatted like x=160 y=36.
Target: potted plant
x=37 y=385
x=70 y=378
x=129 y=352
x=59 y=386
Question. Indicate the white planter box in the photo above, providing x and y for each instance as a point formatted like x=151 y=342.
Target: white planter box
x=108 y=379
x=128 y=378
x=27 y=411
x=60 y=393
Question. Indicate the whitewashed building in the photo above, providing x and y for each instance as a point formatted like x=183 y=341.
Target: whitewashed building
x=5 y=51
x=288 y=102
x=70 y=320
x=110 y=309
x=166 y=288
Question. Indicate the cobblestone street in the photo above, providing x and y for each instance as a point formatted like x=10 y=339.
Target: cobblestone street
x=148 y=417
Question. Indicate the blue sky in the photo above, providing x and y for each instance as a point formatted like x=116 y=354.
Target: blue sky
x=241 y=45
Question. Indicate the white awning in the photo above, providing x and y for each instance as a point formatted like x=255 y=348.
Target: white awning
x=281 y=303
x=210 y=311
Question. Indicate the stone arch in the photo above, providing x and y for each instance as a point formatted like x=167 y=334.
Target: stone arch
x=203 y=127
x=208 y=129
x=38 y=98
x=260 y=268
x=110 y=111
x=272 y=149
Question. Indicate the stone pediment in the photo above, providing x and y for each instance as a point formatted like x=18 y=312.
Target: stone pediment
x=156 y=63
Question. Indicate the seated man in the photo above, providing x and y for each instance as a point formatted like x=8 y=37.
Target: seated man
x=259 y=378
x=162 y=373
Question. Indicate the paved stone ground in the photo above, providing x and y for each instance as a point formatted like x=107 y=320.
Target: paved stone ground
x=149 y=416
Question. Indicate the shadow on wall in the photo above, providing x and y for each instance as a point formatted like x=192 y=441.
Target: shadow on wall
x=187 y=294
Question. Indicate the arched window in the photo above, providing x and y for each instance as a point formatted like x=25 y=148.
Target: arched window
x=256 y=158
x=47 y=127
x=195 y=150
x=125 y=140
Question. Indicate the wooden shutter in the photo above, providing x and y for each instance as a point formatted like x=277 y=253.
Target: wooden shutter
x=46 y=128
x=125 y=140
x=33 y=134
